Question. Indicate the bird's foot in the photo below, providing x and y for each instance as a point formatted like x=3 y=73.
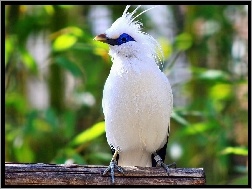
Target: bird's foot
x=160 y=163
x=112 y=166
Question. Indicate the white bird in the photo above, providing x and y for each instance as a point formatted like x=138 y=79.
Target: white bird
x=137 y=97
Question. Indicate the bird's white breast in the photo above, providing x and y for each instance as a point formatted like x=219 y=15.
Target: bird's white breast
x=137 y=104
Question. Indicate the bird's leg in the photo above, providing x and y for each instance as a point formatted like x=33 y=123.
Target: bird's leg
x=160 y=163
x=112 y=166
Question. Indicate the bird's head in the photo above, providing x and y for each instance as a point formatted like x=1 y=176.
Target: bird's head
x=126 y=39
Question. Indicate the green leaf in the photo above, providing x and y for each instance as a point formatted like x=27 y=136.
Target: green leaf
x=42 y=125
x=9 y=48
x=49 y=9
x=220 y=91
x=100 y=49
x=64 y=42
x=28 y=60
x=179 y=119
x=166 y=47
x=183 y=41
x=199 y=127
x=235 y=150
x=75 y=31
x=17 y=101
x=68 y=65
x=66 y=38
x=89 y=134
x=210 y=75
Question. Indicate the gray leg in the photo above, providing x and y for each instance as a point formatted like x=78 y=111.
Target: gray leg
x=160 y=163
x=112 y=166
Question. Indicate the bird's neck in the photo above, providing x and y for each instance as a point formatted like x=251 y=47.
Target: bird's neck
x=127 y=67
x=133 y=64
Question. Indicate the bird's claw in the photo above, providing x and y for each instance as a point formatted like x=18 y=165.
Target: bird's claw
x=167 y=167
x=160 y=163
x=112 y=166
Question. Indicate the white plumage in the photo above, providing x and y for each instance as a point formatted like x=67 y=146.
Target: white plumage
x=137 y=97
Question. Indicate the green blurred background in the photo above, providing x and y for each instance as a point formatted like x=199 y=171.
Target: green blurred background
x=55 y=72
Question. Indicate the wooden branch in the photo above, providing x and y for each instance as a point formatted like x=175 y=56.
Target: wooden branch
x=55 y=174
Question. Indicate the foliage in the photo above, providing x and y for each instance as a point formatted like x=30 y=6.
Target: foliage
x=210 y=130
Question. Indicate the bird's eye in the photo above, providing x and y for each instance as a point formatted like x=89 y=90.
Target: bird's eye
x=124 y=38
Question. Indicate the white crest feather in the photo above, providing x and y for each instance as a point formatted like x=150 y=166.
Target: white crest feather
x=127 y=24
